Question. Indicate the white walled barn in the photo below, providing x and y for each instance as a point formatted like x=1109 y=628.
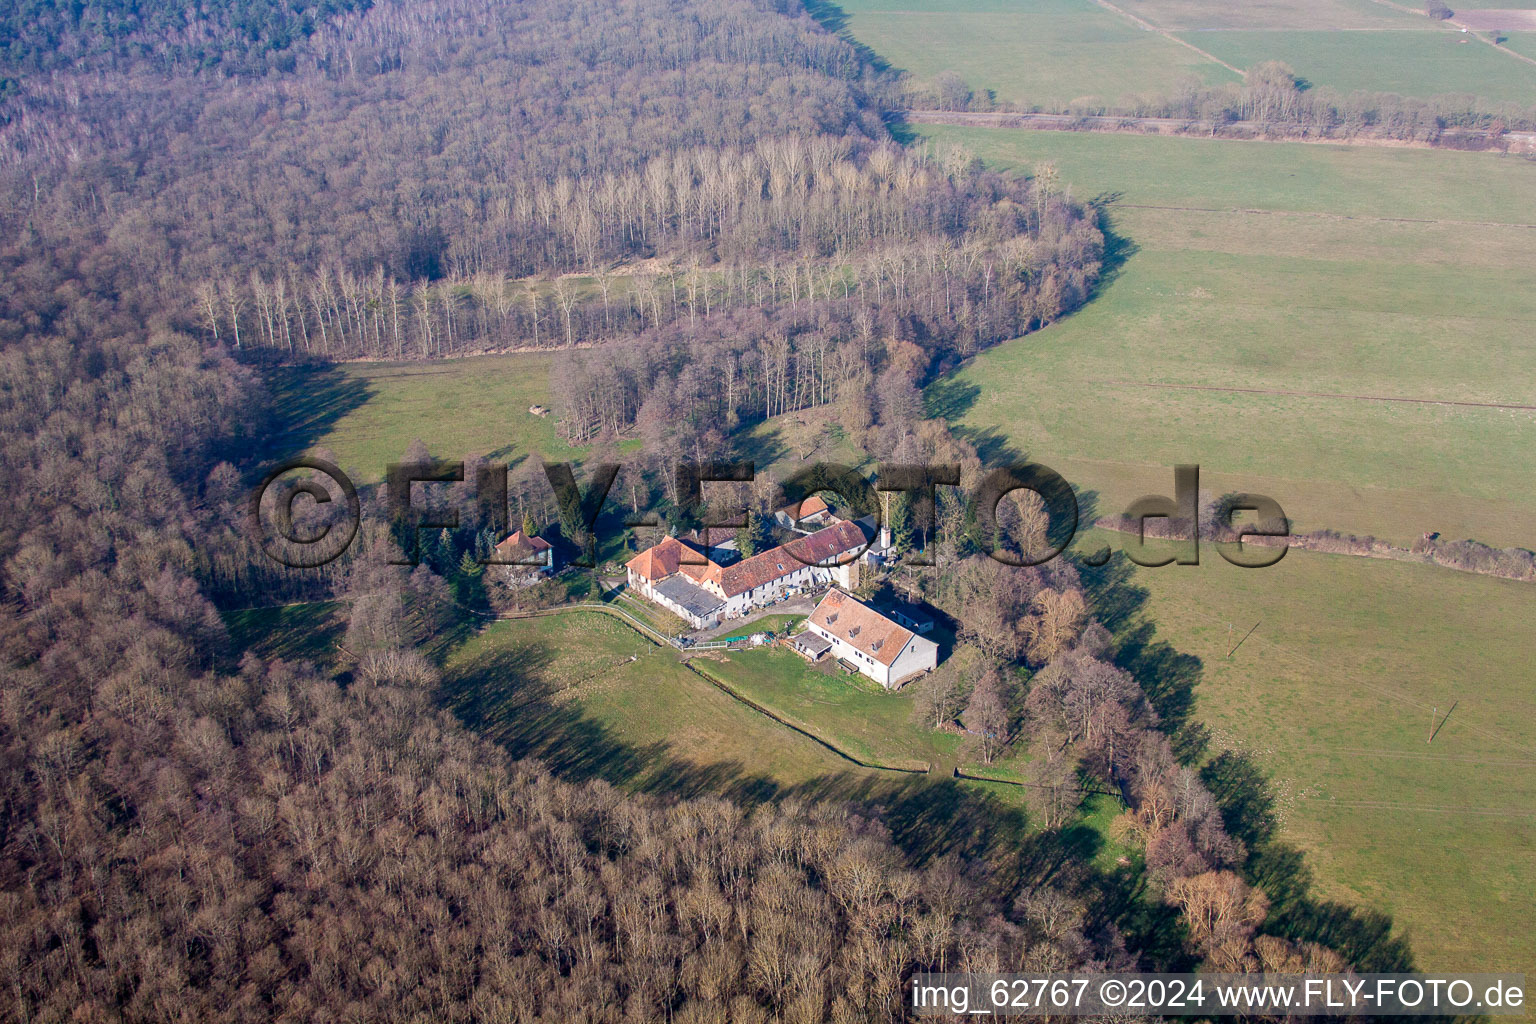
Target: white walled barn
x=884 y=650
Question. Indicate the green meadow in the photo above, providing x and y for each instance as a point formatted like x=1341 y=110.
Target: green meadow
x=1411 y=63
x=1059 y=54
x=1335 y=692
x=851 y=710
x=1296 y=319
x=1050 y=53
x=1212 y=15
x=1522 y=43
x=367 y=413
x=589 y=696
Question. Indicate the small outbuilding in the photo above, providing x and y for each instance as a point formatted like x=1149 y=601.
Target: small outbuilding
x=809 y=645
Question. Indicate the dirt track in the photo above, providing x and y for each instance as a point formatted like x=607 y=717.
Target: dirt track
x=1497 y=20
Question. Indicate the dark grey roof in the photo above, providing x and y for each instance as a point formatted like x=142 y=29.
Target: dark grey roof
x=696 y=600
x=811 y=643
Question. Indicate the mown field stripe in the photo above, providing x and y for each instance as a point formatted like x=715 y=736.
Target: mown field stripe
x=1309 y=394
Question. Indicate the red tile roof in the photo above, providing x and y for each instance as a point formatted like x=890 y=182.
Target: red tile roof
x=826 y=548
x=823 y=548
x=662 y=560
x=829 y=546
x=809 y=507
x=860 y=626
x=518 y=548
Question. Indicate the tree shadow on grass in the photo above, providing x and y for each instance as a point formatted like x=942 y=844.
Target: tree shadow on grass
x=306 y=402
x=762 y=445
x=1169 y=678
x=1118 y=249
x=835 y=20
x=504 y=696
x=1363 y=936
x=949 y=398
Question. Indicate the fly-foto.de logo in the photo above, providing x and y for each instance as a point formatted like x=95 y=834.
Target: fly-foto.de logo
x=321 y=495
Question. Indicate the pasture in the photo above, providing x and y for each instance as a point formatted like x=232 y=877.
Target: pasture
x=1333 y=695
x=1051 y=53
x=367 y=413
x=1210 y=16
x=853 y=711
x=587 y=695
x=1522 y=43
x=1296 y=319
x=1078 y=54
x=1411 y=63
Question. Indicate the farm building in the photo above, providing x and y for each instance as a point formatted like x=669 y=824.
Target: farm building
x=810 y=514
x=704 y=593
x=884 y=650
x=912 y=617
x=520 y=552
x=809 y=646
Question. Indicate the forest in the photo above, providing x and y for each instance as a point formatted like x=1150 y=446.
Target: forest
x=191 y=832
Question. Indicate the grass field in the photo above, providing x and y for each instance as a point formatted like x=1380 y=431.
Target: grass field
x=1209 y=15
x=367 y=413
x=1333 y=693
x=1411 y=63
x=1522 y=43
x=1051 y=53
x=1059 y=54
x=587 y=695
x=853 y=711
x=1352 y=273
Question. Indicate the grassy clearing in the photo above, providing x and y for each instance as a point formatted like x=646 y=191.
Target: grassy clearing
x=852 y=711
x=1051 y=53
x=1333 y=694
x=587 y=695
x=1276 y=268
x=1412 y=63
x=786 y=444
x=297 y=632
x=367 y=413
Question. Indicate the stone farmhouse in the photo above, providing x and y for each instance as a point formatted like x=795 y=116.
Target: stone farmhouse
x=680 y=578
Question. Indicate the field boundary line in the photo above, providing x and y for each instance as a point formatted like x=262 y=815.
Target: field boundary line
x=1450 y=812
x=1312 y=394
x=1322 y=215
x=1182 y=128
x=1149 y=27
x=1449 y=23
x=1383 y=691
x=767 y=712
